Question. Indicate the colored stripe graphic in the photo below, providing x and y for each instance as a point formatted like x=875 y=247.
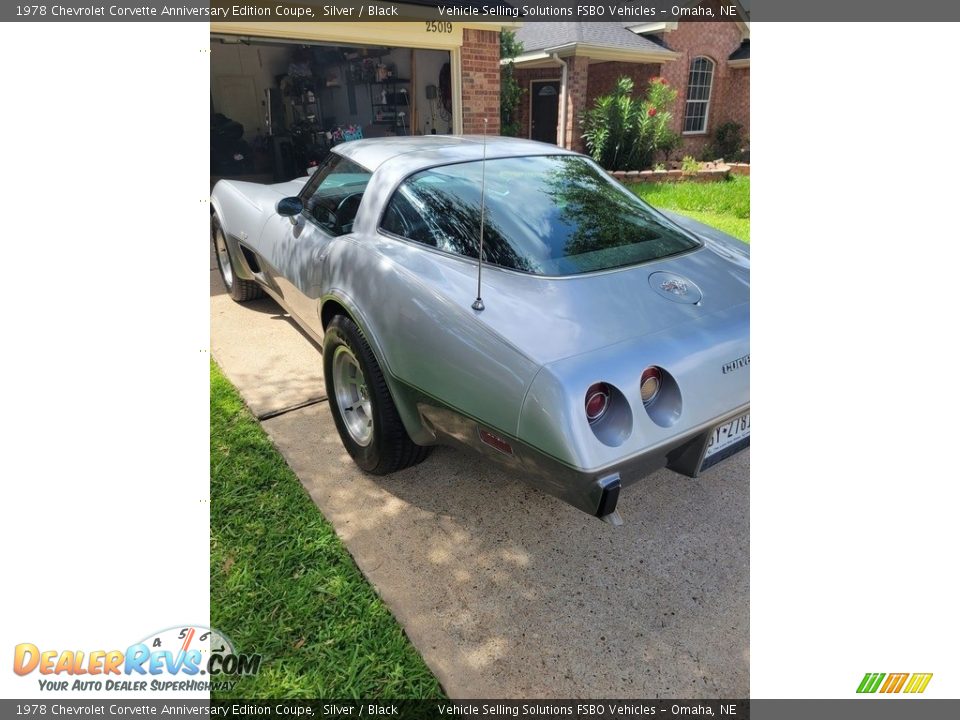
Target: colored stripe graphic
x=870 y=682
x=894 y=682
x=918 y=682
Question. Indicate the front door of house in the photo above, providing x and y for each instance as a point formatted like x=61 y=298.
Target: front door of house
x=544 y=110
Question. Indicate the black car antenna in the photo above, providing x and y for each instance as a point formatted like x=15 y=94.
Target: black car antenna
x=478 y=303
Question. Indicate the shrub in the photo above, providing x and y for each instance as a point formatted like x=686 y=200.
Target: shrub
x=624 y=133
x=727 y=142
x=668 y=143
x=690 y=165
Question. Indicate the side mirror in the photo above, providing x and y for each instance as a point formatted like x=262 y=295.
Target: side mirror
x=290 y=207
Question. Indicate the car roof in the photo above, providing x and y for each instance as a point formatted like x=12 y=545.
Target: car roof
x=415 y=152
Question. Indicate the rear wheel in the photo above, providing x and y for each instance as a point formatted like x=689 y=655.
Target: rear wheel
x=363 y=411
x=238 y=289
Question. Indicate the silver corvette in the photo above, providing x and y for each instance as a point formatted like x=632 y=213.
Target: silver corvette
x=598 y=341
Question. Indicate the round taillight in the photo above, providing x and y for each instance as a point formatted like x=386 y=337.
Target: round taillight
x=649 y=384
x=597 y=401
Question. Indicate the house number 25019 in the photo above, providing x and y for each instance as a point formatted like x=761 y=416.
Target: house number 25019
x=439 y=27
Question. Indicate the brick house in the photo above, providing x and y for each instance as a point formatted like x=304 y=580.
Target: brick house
x=295 y=89
x=566 y=66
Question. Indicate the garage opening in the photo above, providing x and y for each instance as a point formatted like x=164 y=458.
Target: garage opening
x=277 y=107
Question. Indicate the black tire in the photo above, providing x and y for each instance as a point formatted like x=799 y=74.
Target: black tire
x=390 y=448
x=238 y=289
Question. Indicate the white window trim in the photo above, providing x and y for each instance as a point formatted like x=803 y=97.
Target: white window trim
x=686 y=101
x=456 y=91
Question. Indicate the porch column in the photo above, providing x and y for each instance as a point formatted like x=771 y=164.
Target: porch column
x=578 y=69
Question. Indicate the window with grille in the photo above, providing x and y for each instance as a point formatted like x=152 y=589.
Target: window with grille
x=698 y=95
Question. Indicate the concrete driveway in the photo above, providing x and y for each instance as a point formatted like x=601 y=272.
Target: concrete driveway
x=505 y=591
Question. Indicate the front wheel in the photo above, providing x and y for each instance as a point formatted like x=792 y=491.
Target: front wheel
x=363 y=411
x=237 y=288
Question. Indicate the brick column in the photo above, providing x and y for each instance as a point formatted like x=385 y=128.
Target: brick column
x=578 y=69
x=480 y=63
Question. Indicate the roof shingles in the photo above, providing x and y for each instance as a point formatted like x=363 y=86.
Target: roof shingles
x=742 y=52
x=543 y=35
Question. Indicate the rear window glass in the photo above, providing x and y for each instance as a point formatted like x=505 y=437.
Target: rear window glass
x=545 y=215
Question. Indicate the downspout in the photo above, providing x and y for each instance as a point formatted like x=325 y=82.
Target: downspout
x=563 y=99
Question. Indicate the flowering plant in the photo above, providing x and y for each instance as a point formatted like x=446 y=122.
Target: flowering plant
x=625 y=133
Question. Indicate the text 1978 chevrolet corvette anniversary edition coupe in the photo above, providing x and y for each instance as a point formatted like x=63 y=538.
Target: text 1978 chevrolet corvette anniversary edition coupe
x=609 y=339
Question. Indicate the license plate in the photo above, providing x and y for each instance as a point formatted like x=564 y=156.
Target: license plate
x=726 y=439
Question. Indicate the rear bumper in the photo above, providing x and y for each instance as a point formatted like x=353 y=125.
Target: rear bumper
x=595 y=492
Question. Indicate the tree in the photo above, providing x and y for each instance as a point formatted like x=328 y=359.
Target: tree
x=510 y=91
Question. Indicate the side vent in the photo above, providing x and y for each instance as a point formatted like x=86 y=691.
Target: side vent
x=251 y=258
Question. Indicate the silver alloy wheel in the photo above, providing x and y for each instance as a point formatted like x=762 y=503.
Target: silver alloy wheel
x=223 y=258
x=352 y=398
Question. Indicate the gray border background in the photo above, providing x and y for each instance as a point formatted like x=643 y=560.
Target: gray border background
x=760 y=10
x=892 y=708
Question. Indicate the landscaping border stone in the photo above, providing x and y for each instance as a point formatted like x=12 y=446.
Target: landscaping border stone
x=708 y=172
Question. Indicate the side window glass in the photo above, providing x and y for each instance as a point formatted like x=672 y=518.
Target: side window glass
x=404 y=219
x=332 y=196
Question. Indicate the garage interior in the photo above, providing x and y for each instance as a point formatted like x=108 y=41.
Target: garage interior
x=277 y=107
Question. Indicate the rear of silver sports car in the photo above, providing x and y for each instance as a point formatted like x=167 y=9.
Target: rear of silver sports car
x=595 y=423
x=611 y=340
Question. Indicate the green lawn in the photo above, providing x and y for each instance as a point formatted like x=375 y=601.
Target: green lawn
x=723 y=205
x=282 y=584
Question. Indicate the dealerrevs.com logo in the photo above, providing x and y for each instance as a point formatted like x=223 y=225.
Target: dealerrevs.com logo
x=180 y=659
x=911 y=683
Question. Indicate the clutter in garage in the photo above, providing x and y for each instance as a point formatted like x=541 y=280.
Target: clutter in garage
x=278 y=107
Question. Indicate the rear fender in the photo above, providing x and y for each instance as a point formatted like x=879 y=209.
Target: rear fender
x=403 y=397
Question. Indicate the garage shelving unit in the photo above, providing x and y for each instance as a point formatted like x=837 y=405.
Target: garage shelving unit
x=397 y=93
